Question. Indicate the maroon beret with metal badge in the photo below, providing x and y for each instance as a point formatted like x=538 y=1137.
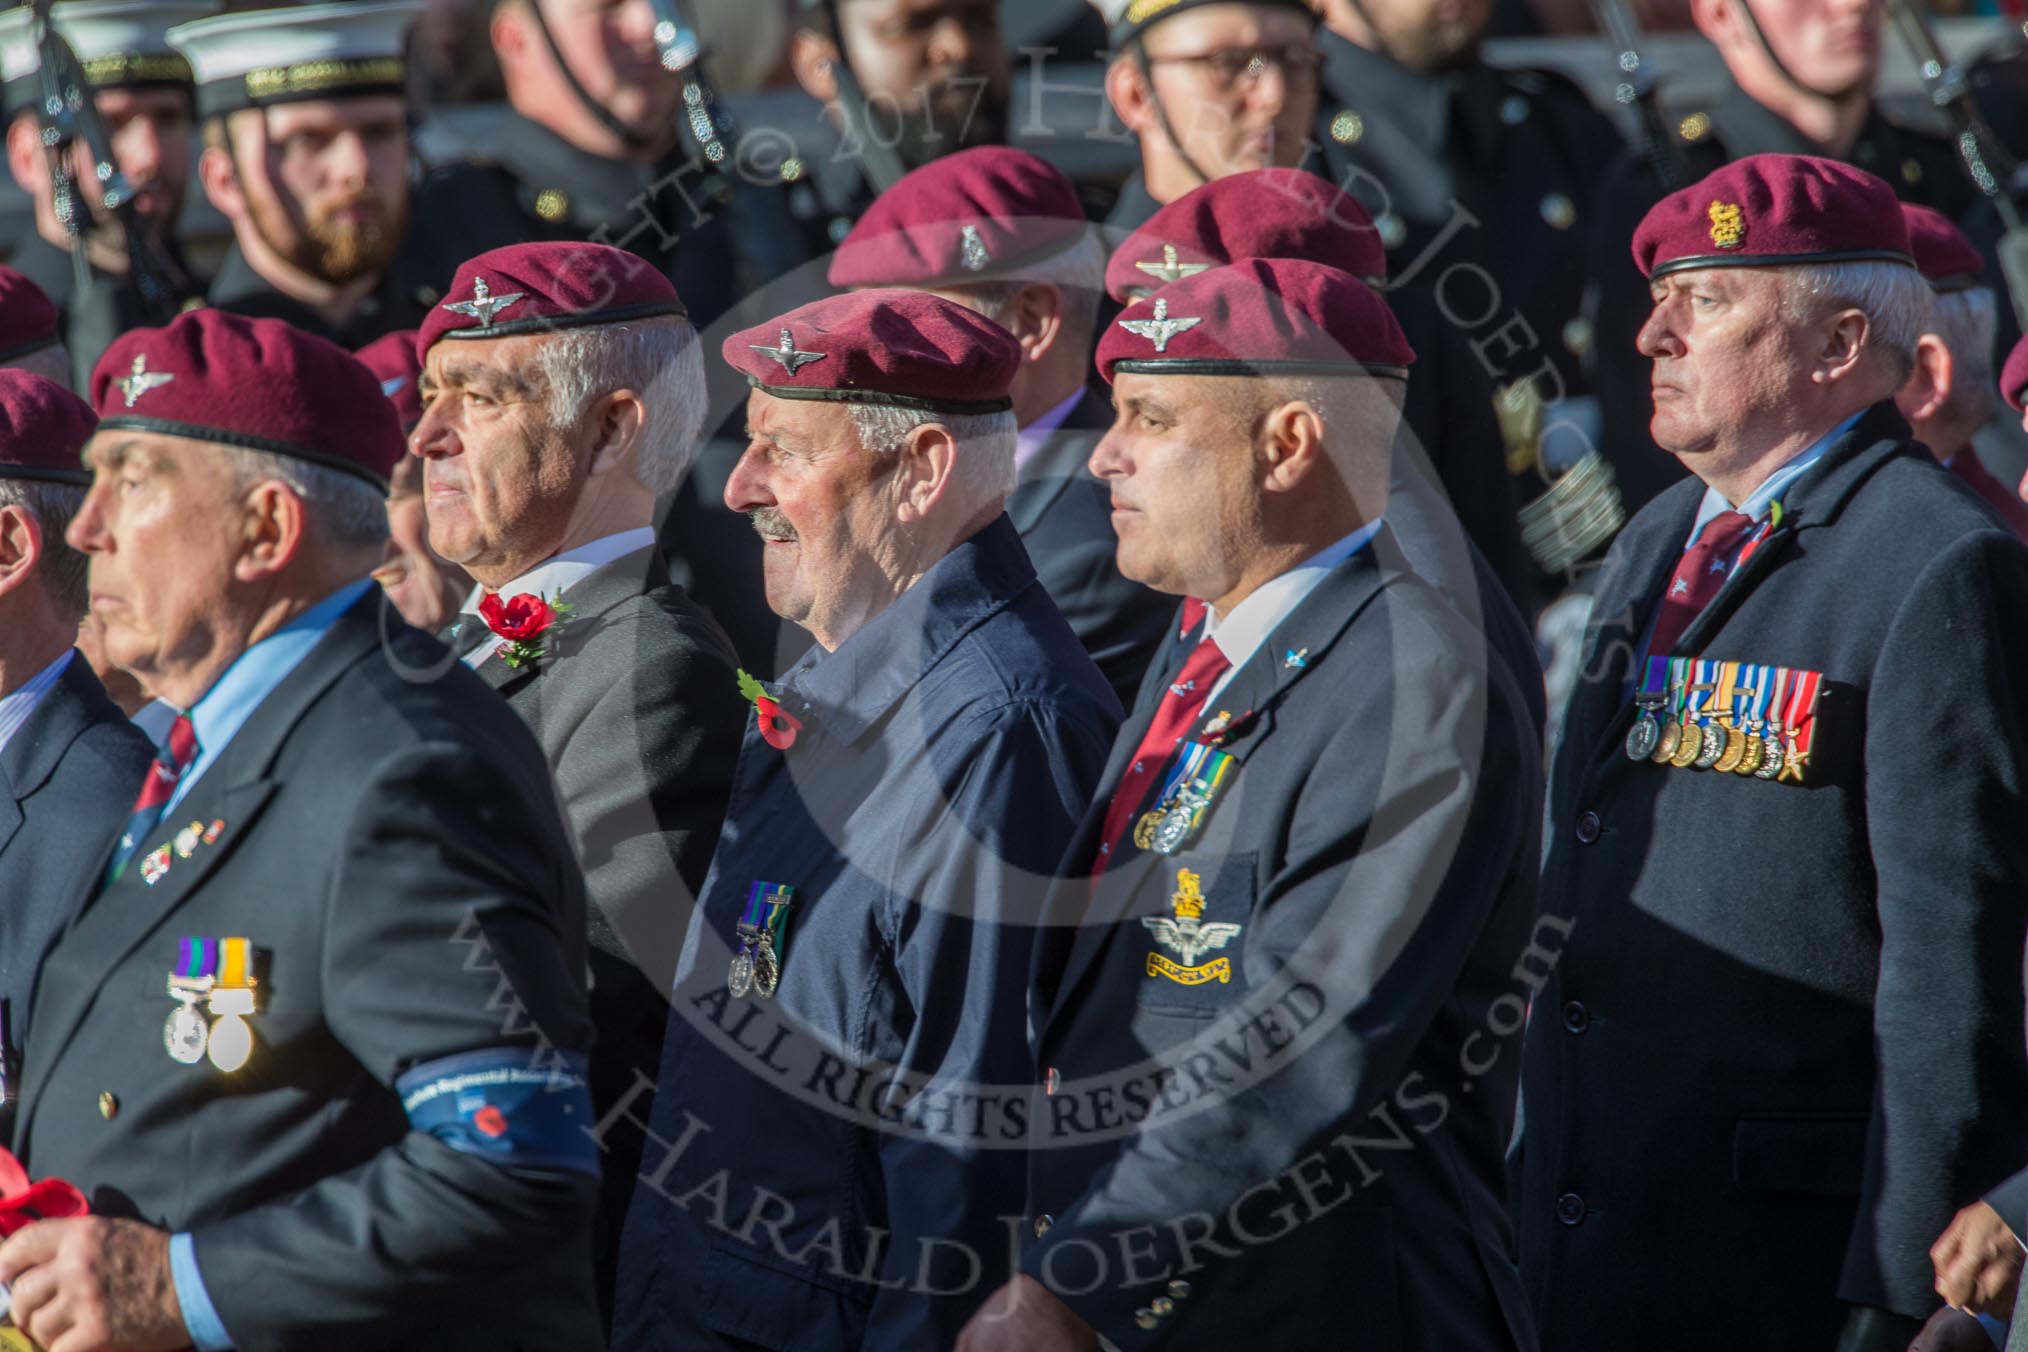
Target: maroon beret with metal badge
x=1771 y=211
x=260 y=384
x=2014 y=376
x=1944 y=255
x=393 y=359
x=43 y=427
x=1263 y=213
x=543 y=288
x=906 y=348
x=28 y=321
x=1259 y=317
x=981 y=213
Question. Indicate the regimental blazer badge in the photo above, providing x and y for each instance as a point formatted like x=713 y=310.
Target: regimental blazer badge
x=1189 y=936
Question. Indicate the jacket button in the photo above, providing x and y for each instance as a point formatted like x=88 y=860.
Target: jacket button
x=1179 y=1288
x=1587 y=828
x=1570 y=1209
x=109 y=1104
x=1146 y=1318
x=1051 y=1080
x=1042 y=1224
x=1576 y=1017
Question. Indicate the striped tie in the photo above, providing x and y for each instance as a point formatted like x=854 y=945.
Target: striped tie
x=156 y=791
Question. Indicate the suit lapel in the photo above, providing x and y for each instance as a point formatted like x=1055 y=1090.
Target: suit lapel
x=590 y=597
x=39 y=745
x=1619 y=621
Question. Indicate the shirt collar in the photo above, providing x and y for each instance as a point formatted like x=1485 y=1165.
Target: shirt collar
x=222 y=710
x=1240 y=634
x=561 y=572
x=1028 y=440
x=19 y=704
x=1756 y=504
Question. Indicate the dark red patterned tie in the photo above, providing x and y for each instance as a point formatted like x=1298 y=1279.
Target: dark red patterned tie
x=1181 y=703
x=156 y=791
x=1699 y=574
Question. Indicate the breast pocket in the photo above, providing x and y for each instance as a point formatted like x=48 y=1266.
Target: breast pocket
x=1187 y=955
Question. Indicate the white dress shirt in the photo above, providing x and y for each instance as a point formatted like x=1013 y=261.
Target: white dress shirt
x=559 y=573
x=1240 y=634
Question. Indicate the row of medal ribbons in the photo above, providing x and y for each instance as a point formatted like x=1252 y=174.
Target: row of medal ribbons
x=1734 y=717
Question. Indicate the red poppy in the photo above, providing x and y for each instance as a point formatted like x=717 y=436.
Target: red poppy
x=778 y=727
x=519 y=618
x=491 y=1121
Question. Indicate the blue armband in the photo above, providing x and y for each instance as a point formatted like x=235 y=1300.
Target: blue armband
x=519 y=1107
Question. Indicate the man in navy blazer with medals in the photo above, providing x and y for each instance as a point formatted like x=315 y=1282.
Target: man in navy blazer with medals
x=563 y=389
x=835 y=1132
x=1783 y=1046
x=69 y=759
x=1273 y=1092
x=314 y=1050
x=1001 y=232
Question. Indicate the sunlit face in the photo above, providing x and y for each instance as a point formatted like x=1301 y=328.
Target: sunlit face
x=150 y=134
x=1229 y=112
x=424 y=588
x=934 y=72
x=1829 y=46
x=824 y=508
x=1726 y=357
x=500 y=478
x=1179 y=460
x=609 y=47
x=162 y=526
x=326 y=181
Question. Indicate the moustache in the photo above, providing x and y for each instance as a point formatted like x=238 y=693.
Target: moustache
x=770 y=524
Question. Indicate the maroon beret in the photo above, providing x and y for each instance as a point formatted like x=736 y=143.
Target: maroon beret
x=1943 y=254
x=256 y=383
x=981 y=213
x=43 y=427
x=540 y=288
x=906 y=348
x=1259 y=317
x=393 y=359
x=1771 y=210
x=27 y=318
x=1263 y=213
x=2014 y=376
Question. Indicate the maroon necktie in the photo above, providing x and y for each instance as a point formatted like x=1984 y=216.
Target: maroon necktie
x=157 y=789
x=1699 y=574
x=1181 y=703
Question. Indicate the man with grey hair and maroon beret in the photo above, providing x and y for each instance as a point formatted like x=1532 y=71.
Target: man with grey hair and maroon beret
x=562 y=393
x=313 y=1042
x=847 y=1059
x=1782 y=1046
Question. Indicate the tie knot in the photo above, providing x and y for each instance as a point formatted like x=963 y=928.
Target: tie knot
x=181 y=747
x=1724 y=531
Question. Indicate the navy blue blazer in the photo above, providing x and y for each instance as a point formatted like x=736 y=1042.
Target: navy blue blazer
x=68 y=778
x=831 y=1168
x=1301 y=1126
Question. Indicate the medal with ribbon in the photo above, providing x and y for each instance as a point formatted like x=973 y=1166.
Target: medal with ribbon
x=1195 y=779
x=1646 y=734
x=1799 y=724
x=220 y=972
x=763 y=936
x=1756 y=689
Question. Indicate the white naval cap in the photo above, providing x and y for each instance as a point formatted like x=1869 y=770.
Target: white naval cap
x=264 y=56
x=118 y=43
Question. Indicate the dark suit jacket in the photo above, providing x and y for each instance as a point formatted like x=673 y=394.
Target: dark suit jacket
x=1232 y=1186
x=68 y=778
x=1064 y=515
x=639 y=715
x=384 y=833
x=1783 y=1046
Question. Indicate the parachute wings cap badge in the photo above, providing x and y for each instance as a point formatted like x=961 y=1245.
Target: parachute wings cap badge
x=786 y=355
x=1190 y=937
x=1161 y=328
x=974 y=249
x=484 y=304
x=1728 y=227
x=1169 y=269
x=142 y=380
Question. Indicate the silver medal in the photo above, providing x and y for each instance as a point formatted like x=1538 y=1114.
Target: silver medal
x=185 y=1035
x=1643 y=737
x=739 y=980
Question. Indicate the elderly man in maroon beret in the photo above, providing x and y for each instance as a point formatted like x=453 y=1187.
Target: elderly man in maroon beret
x=562 y=392
x=313 y=1042
x=69 y=760
x=1001 y=232
x=847 y=1056
x=1310 y=870
x=1782 y=1045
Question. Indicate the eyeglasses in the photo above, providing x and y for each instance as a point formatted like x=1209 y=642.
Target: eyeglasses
x=1232 y=66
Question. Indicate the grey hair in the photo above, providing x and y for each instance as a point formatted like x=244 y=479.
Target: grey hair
x=63 y=568
x=1893 y=297
x=1968 y=322
x=1078 y=272
x=344 y=510
x=659 y=359
x=986 y=467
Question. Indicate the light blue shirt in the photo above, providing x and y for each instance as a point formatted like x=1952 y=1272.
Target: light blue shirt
x=220 y=713
x=18 y=704
x=1756 y=504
